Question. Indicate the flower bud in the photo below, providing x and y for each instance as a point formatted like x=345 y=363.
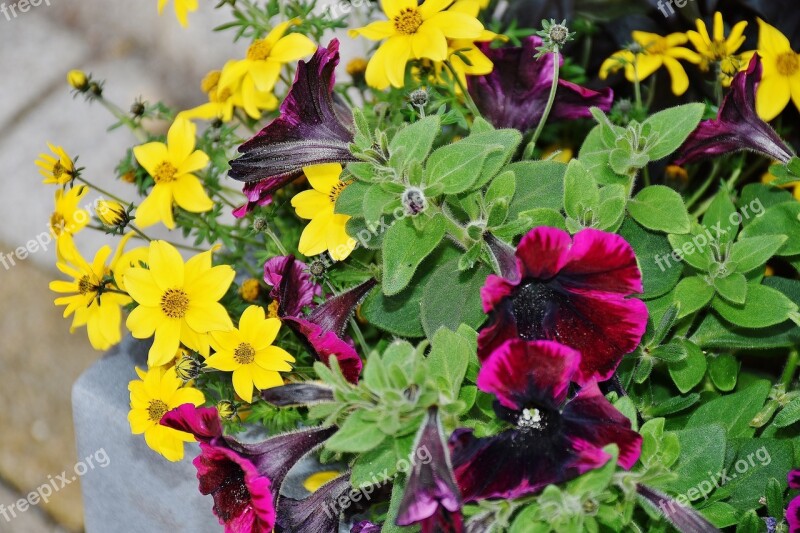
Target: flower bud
x=188 y=368
x=78 y=80
x=112 y=213
x=226 y=410
x=414 y=201
x=250 y=289
x=419 y=98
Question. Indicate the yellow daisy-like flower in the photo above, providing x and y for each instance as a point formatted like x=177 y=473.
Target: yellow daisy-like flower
x=172 y=165
x=413 y=32
x=260 y=70
x=178 y=303
x=718 y=49
x=182 y=9
x=59 y=170
x=94 y=298
x=780 y=81
x=248 y=353
x=68 y=218
x=653 y=52
x=326 y=231
x=476 y=64
x=156 y=392
x=222 y=102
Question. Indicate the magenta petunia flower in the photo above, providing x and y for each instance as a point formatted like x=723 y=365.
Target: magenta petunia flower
x=323 y=329
x=553 y=439
x=431 y=496
x=571 y=290
x=314 y=127
x=737 y=126
x=793 y=511
x=515 y=94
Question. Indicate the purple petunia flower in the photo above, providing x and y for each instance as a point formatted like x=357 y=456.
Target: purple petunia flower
x=431 y=495
x=323 y=329
x=553 y=439
x=570 y=290
x=515 y=94
x=320 y=512
x=737 y=126
x=244 y=479
x=793 y=511
x=365 y=526
x=314 y=127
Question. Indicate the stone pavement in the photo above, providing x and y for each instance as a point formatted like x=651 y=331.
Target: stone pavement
x=139 y=54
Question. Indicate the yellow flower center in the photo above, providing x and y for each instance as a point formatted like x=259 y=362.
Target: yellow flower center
x=272 y=309
x=165 y=172
x=57 y=222
x=244 y=354
x=408 y=21
x=337 y=190
x=58 y=170
x=156 y=410
x=719 y=50
x=259 y=50
x=85 y=285
x=174 y=303
x=788 y=64
x=656 y=47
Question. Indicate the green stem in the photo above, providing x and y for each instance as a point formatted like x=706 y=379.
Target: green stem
x=549 y=107
x=467 y=97
x=135 y=128
x=139 y=232
x=101 y=191
x=790 y=368
x=274 y=238
x=637 y=84
x=704 y=187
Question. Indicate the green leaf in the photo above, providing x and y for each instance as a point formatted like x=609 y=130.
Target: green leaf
x=450 y=355
x=594 y=154
x=611 y=210
x=452 y=298
x=356 y=435
x=658 y=276
x=733 y=288
x=702 y=451
x=581 y=193
x=720 y=514
x=733 y=411
x=749 y=522
x=508 y=139
x=673 y=352
x=389 y=526
x=376 y=200
x=661 y=209
x=673 y=405
x=718 y=218
x=688 y=372
x=502 y=187
x=754 y=252
x=788 y=415
x=673 y=126
x=454 y=168
x=693 y=248
x=715 y=333
x=405 y=247
x=774 y=494
x=782 y=219
x=351 y=199
x=380 y=464
x=764 y=307
x=723 y=371
x=757 y=461
x=692 y=294
x=539 y=184
x=416 y=141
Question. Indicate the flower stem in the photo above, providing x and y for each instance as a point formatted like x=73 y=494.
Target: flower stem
x=139 y=232
x=467 y=97
x=548 y=108
x=274 y=238
x=637 y=83
x=101 y=191
x=135 y=128
x=790 y=368
x=704 y=187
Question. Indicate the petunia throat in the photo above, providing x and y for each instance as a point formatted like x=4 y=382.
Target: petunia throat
x=531 y=303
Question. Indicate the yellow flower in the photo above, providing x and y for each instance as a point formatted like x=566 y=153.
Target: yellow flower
x=182 y=9
x=248 y=353
x=77 y=79
x=222 y=102
x=476 y=64
x=326 y=231
x=172 y=165
x=59 y=170
x=93 y=296
x=717 y=49
x=413 y=32
x=68 y=218
x=260 y=70
x=156 y=392
x=111 y=213
x=653 y=52
x=178 y=303
x=781 y=79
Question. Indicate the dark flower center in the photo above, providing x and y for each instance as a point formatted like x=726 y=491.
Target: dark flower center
x=531 y=303
x=719 y=50
x=232 y=494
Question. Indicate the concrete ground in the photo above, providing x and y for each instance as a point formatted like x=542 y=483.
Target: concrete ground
x=139 y=54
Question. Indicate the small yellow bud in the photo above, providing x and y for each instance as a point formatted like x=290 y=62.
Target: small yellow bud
x=226 y=410
x=111 y=213
x=250 y=290
x=272 y=309
x=78 y=80
x=676 y=173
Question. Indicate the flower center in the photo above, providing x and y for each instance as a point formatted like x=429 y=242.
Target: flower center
x=337 y=190
x=58 y=170
x=408 y=21
x=85 y=285
x=232 y=485
x=530 y=419
x=57 y=222
x=788 y=64
x=174 y=303
x=156 y=410
x=719 y=50
x=244 y=354
x=165 y=172
x=272 y=309
x=656 y=47
x=533 y=303
x=259 y=50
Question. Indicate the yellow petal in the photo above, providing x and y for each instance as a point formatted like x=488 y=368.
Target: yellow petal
x=397 y=52
x=211 y=285
x=166 y=265
x=243 y=383
x=291 y=48
x=773 y=96
x=151 y=155
x=314 y=239
x=645 y=66
x=456 y=25
x=771 y=40
x=265 y=379
x=794 y=83
x=165 y=343
x=139 y=421
x=190 y=195
x=324 y=177
x=265 y=74
x=203 y=317
x=275 y=359
x=430 y=8
x=222 y=361
x=719 y=27
x=263 y=334
x=680 y=81
x=308 y=204
x=142 y=287
x=392 y=8
x=429 y=42
x=196 y=161
x=142 y=322
x=181 y=140
x=250 y=320
x=340 y=244
x=376 y=70
x=702 y=31
x=377 y=31
x=157 y=207
x=736 y=38
x=186 y=395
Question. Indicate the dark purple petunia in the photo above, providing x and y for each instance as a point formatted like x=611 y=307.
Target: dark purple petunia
x=553 y=439
x=793 y=511
x=570 y=290
x=365 y=526
x=244 y=479
x=324 y=328
x=294 y=394
x=431 y=495
x=515 y=94
x=313 y=128
x=320 y=512
x=737 y=126
x=294 y=293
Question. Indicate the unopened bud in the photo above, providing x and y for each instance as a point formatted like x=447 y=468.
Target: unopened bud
x=250 y=289
x=112 y=213
x=188 y=368
x=414 y=201
x=226 y=410
x=419 y=98
x=78 y=80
